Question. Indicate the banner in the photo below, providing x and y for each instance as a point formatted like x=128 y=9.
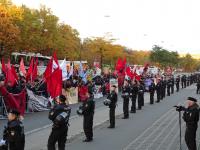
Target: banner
x=72 y=95
x=147 y=83
x=98 y=91
x=114 y=82
x=14 y=101
x=36 y=102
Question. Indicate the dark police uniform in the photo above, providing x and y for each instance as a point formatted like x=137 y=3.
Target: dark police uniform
x=88 y=115
x=113 y=98
x=164 y=87
x=152 y=91
x=158 y=91
x=14 y=135
x=191 y=117
x=172 y=85
x=198 y=87
x=168 y=87
x=177 y=83
x=140 y=96
x=188 y=80
x=60 y=116
x=133 y=95
x=125 y=96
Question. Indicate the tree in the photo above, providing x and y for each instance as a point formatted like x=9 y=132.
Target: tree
x=163 y=57
x=9 y=32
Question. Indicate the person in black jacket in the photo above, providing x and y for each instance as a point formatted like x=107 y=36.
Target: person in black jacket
x=152 y=91
x=133 y=95
x=172 y=84
x=168 y=87
x=198 y=87
x=88 y=108
x=177 y=83
x=158 y=91
x=191 y=117
x=60 y=117
x=14 y=132
x=113 y=102
x=125 y=96
x=140 y=95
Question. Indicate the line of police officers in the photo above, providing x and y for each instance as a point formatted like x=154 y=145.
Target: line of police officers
x=14 y=138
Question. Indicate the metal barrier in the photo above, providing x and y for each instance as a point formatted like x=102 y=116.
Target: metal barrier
x=3 y=109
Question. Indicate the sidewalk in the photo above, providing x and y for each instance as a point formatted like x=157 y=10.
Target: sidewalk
x=38 y=140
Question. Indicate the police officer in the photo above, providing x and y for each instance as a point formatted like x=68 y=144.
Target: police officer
x=152 y=91
x=177 y=83
x=59 y=115
x=88 y=108
x=191 y=117
x=172 y=84
x=198 y=87
x=164 y=85
x=188 y=80
x=14 y=132
x=158 y=91
x=113 y=102
x=133 y=95
x=168 y=87
x=185 y=81
x=140 y=95
x=125 y=96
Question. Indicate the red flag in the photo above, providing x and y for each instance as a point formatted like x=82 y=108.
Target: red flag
x=14 y=101
x=21 y=100
x=53 y=77
x=30 y=70
x=129 y=73
x=48 y=70
x=52 y=65
x=8 y=64
x=82 y=93
x=10 y=77
x=10 y=101
x=54 y=83
x=119 y=64
x=3 y=66
x=146 y=66
x=138 y=77
x=34 y=74
x=22 y=67
x=14 y=73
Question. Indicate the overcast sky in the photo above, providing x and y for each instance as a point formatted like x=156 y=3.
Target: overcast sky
x=138 y=24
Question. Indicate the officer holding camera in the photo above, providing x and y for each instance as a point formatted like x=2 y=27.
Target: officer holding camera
x=191 y=117
x=60 y=117
x=112 y=102
x=14 y=133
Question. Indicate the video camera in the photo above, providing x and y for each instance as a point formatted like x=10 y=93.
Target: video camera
x=179 y=108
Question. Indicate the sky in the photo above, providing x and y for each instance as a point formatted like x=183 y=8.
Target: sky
x=136 y=24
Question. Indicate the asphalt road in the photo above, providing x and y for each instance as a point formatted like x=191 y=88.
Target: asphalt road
x=156 y=127
x=37 y=120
